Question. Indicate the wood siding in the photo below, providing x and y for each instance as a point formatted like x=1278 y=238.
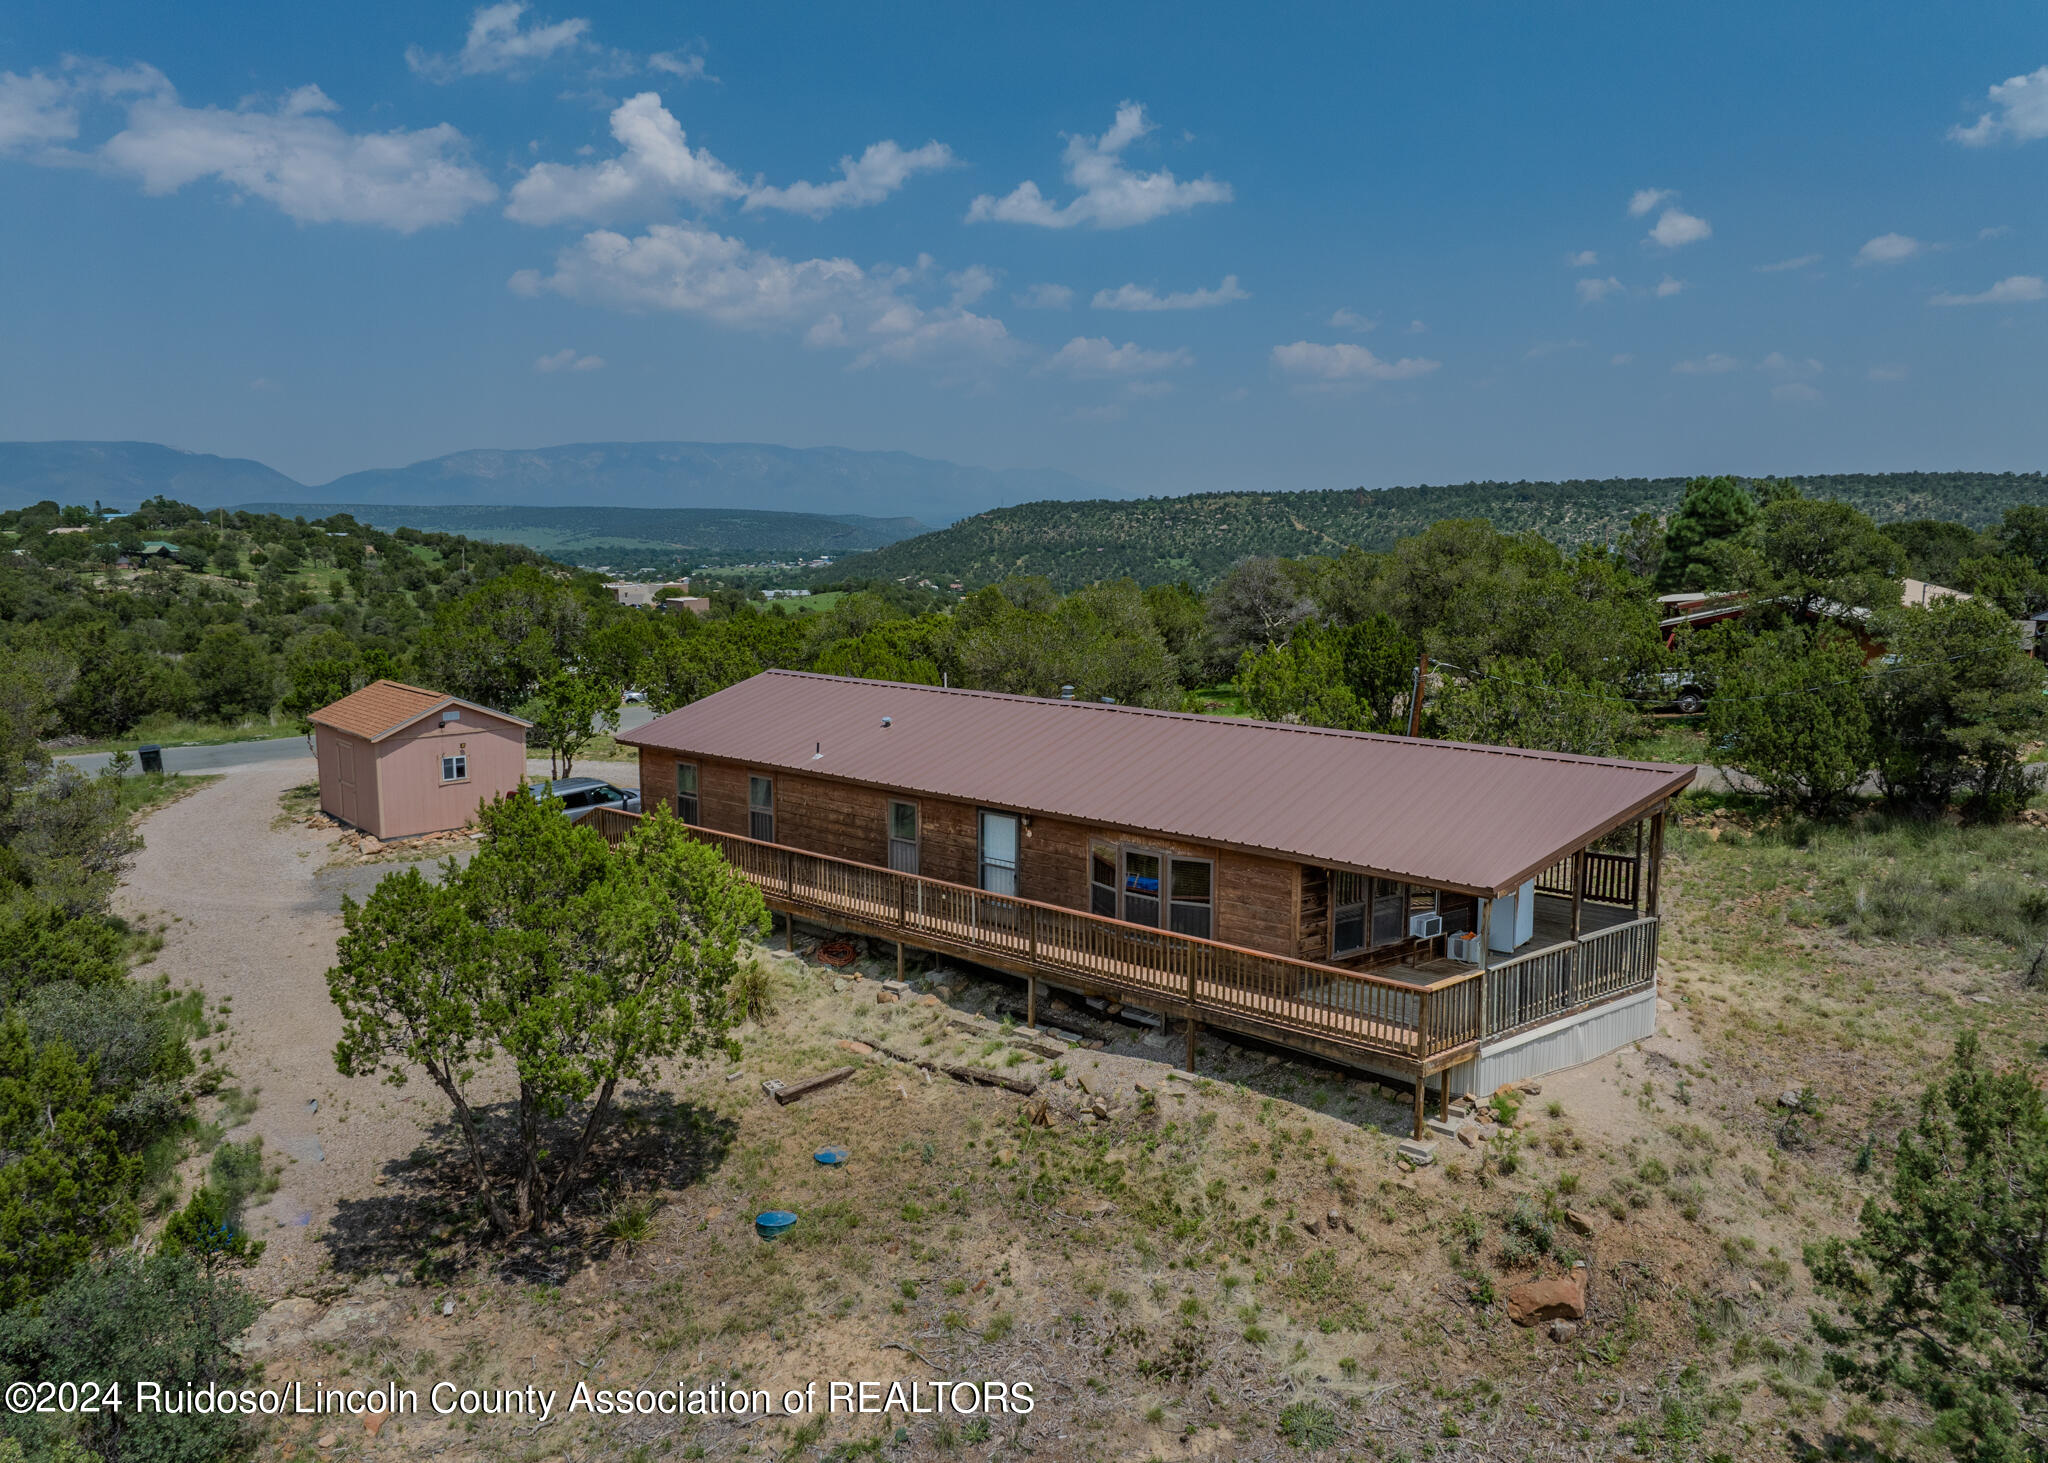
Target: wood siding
x=1256 y=899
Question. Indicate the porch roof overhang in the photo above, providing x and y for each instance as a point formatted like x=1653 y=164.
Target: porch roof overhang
x=1451 y=815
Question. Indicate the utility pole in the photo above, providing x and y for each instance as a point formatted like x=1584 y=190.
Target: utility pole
x=1415 y=700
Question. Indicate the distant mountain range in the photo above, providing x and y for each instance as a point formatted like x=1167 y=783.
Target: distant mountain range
x=634 y=541
x=828 y=481
x=1198 y=537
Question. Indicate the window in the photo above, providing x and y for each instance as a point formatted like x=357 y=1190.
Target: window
x=999 y=852
x=455 y=768
x=1191 y=895
x=1141 y=887
x=1102 y=880
x=686 y=791
x=761 y=808
x=1389 y=911
x=1347 y=912
x=903 y=837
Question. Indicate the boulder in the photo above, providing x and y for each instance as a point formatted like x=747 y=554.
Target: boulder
x=1580 y=1223
x=1561 y=1298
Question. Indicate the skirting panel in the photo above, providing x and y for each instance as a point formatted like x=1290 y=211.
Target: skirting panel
x=1566 y=1042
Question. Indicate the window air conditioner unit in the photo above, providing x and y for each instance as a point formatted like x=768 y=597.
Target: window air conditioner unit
x=1463 y=947
x=1425 y=926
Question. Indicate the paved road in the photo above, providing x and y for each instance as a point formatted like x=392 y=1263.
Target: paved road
x=223 y=755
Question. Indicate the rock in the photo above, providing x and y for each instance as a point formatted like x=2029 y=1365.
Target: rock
x=1562 y=1331
x=1664 y=1007
x=839 y=986
x=325 y=1440
x=1755 y=1288
x=898 y=986
x=1465 y=1137
x=1789 y=1098
x=1416 y=1151
x=1446 y=1129
x=1313 y=1226
x=379 y=1181
x=1580 y=1223
x=374 y=1423
x=886 y=998
x=448 y=1306
x=1100 y=1109
x=858 y=1048
x=1089 y=1085
x=927 y=1000
x=1335 y=1221
x=371 y=845
x=1561 y=1298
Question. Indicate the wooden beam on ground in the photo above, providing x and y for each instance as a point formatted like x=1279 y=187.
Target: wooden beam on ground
x=786 y=1093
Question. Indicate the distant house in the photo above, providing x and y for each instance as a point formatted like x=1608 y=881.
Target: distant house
x=695 y=604
x=1436 y=911
x=156 y=550
x=1695 y=610
x=640 y=596
x=398 y=761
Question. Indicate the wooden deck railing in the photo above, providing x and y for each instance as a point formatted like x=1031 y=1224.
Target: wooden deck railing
x=1417 y=1025
x=1611 y=878
x=1566 y=977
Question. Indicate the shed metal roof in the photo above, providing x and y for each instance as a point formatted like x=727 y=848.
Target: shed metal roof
x=1450 y=814
x=385 y=707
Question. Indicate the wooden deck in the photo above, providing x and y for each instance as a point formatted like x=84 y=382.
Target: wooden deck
x=1410 y=1020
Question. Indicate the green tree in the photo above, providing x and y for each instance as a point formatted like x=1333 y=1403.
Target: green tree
x=1814 y=552
x=1954 y=704
x=1303 y=681
x=496 y=644
x=1790 y=711
x=568 y=710
x=1943 y=1293
x=65 y=1186
x=1541 y=705
x=1712 y=514
x=1257 y=605
x=159 y=1317
x=319 y=669
x=232 y=674
x=576 y=965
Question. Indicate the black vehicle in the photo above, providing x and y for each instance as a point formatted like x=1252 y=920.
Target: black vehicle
x=581 y=795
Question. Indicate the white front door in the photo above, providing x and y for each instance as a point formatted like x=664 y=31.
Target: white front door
x=999 y=852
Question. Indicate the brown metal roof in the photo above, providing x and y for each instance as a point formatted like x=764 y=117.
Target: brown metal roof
x=384 y=707
x=1451 y=814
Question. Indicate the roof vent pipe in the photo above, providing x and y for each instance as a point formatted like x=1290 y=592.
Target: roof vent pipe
x=1109 y=700
x=1066 y=693
x=885 y=721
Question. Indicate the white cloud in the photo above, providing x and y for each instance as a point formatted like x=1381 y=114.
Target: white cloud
x=864 y=180
x=1416 y=327
x=1625 y=358
x=1777 y=363
x=1344 y=318
x=1346 y=362
x=2019 y=110
x=1887 y=372
x=683 y=68
x=1711 y=364
x=1137 y=297
x=1796 y=392
x=36 y=111
x=1593 y=291
x=1111 y=195
x=1667 y=287
x=970 y=284
x=690 y=270
x=1086 y=355
x=294 y=156
x=1676 y=227
x=1584 y=259
x=1996 y=231
x=2019 y=289
x=656 y=166
x=1801 y=261
x=568 y=360
x=1889 y=249
x=1643 y=200
x=1046 y=297
x=498 y=44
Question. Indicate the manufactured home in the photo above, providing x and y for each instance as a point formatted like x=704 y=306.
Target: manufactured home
x=397 y=761
x=1432 y=911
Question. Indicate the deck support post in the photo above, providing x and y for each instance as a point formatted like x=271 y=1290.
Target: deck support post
x=1031 y=1002
x=1421 y=1105
x=899 y=960
x=1656 y=862
x=1443 y=1095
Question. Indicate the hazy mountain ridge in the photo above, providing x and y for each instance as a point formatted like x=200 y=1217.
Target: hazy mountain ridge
x=1198 y=537
x=831 y=481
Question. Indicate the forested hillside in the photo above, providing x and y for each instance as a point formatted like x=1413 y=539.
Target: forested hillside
x=1198 y=538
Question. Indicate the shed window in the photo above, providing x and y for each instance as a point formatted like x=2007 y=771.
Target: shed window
x=761 y=808
x=903 y=837
x=1348 y=893
x=1192 y=891
x=455 y=768
x=686 y=791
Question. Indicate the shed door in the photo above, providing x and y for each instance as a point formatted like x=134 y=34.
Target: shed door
x=345 y=777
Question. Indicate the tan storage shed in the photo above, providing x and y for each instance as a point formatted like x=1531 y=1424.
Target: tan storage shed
x=397 y=761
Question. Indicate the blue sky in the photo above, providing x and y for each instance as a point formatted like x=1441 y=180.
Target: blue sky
x=1166 y=247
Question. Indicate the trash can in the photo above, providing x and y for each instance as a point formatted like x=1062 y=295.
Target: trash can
x=152 y=758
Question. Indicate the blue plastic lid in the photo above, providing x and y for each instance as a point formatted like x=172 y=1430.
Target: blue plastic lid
x=832 y=1156
x=775 y=1219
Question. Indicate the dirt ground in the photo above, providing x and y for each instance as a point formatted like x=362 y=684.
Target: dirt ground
x=1155 y=1255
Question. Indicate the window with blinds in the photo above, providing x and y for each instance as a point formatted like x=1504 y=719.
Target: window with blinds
x=761 y=808
x=903 y=837
x=686 y=791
